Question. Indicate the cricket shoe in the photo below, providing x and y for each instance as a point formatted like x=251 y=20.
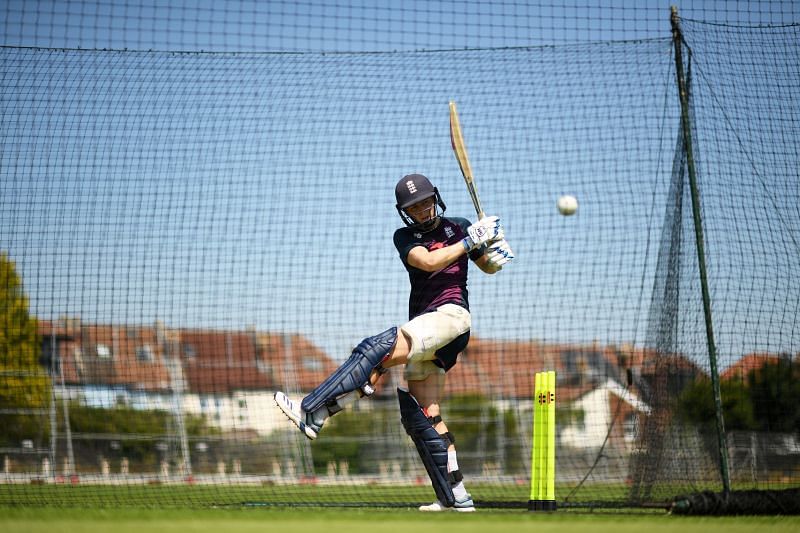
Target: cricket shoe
x=465 y=505
x=295 y=413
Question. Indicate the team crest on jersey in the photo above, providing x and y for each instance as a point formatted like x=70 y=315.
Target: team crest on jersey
x=418 y=235
x=448 y=230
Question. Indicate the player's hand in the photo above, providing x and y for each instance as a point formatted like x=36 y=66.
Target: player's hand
x=486 y=230
x=499 y=253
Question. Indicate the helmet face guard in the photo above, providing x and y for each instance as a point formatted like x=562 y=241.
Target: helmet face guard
x=428 y=224
x=413 y=189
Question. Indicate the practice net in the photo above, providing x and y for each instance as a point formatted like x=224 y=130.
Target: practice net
x=187 y=233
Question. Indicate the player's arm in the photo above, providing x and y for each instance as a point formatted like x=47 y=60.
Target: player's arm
x=433 y=260
x=486 y=230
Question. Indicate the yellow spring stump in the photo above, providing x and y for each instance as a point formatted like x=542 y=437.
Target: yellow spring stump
x=543 y=456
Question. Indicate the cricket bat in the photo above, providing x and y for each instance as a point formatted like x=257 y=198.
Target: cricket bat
x=457 y=140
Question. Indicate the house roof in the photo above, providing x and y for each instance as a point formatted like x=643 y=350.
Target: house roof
x=625 y=394
x=216 y=361
x=219 y=362
x=508 y=368
x=211 y=361
x=748 y=363
x=109 y=354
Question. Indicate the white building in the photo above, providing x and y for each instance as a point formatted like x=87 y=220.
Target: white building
x=611 y=412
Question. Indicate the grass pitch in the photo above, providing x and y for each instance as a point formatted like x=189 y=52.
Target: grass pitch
x=376 y=520
x=289 y=509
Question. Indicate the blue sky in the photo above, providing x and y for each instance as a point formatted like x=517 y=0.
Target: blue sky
x=230 y=190
x=358 y=25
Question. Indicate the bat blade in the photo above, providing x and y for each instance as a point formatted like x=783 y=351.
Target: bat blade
x=457 y=141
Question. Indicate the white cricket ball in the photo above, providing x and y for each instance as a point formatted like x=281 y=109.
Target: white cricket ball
x=567 y=205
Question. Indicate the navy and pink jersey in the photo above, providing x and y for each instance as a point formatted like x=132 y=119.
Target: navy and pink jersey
x=430 y=290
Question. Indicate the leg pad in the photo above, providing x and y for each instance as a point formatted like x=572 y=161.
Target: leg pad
x=353 y=374
x=432 y=448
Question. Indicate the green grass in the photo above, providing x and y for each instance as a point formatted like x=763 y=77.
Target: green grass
x=242 y=509
x=203 y=496
x=161 y=496
x=86 y=495
x=287 y=520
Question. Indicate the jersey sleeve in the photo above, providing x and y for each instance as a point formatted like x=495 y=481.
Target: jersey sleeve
x=404 y=241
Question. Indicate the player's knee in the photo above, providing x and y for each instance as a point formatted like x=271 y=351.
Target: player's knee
x=420 y=370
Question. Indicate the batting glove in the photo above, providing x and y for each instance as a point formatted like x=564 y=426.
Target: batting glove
x=486 y=230
x=499 y=253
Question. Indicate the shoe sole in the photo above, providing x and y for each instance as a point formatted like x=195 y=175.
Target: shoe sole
x=456 y=509
x=441 y=509
x=294 y=419
x=430 y=509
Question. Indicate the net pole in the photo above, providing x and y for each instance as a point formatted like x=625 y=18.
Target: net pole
x=698 y=230
x=55 y=354
x=70 y=466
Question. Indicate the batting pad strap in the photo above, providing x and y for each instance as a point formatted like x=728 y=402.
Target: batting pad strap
x=353 y=374
x=430 y=445
x=449 y=437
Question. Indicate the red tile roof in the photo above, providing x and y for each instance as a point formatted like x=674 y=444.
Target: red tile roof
x=218 y=362
x=748 y=363
x=211 y=361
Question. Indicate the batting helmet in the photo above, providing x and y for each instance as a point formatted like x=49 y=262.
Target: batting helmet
x=412 y=189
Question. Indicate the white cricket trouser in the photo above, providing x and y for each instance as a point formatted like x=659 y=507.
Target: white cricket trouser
x=429 y=332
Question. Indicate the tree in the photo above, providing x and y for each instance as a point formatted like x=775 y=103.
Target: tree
x=696 y=405
x=24 y=385
x=473 y=420
x=349 y=439
x=767 y=399
x=138 y=425
x=775 y=393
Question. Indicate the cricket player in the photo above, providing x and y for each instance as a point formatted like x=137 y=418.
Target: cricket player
x=434 y=250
